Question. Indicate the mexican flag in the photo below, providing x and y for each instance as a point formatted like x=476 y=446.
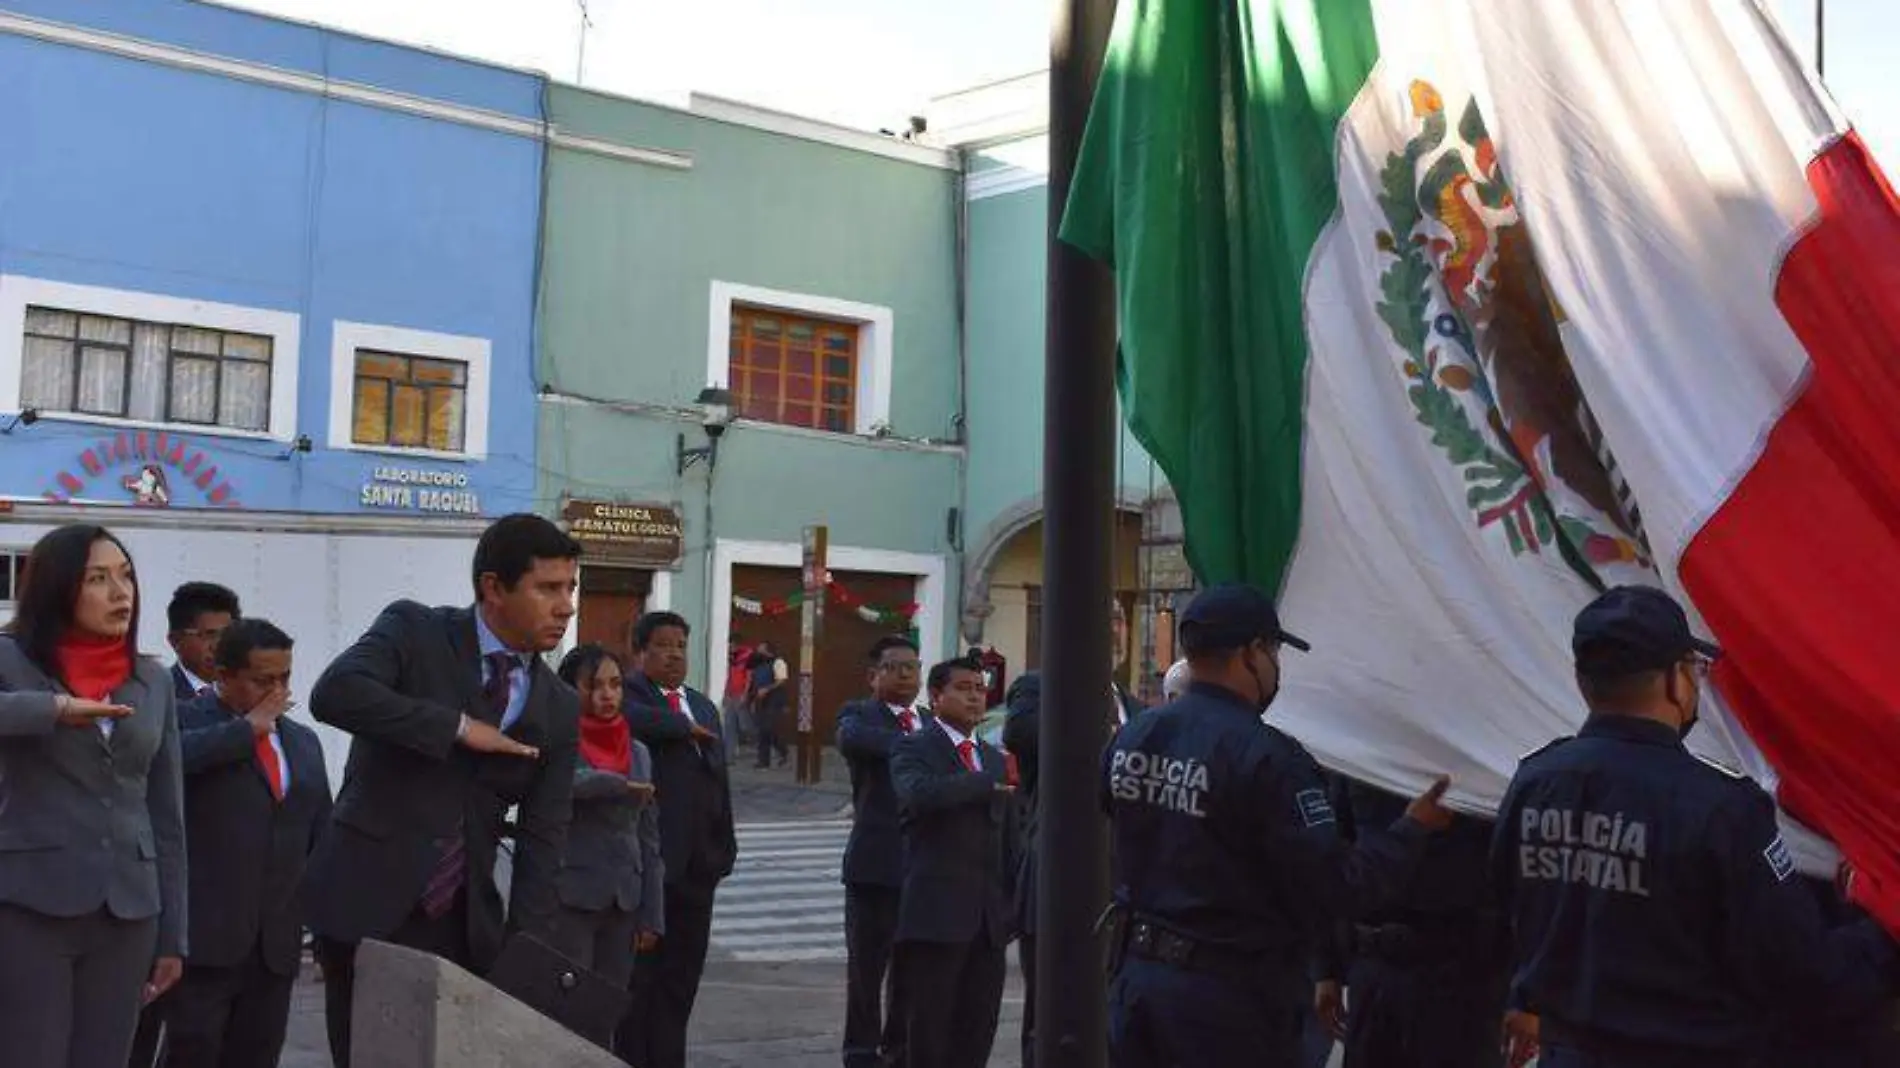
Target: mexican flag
x=1442 y=316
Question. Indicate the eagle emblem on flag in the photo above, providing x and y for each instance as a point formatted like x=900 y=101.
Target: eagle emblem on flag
x=1482 y=357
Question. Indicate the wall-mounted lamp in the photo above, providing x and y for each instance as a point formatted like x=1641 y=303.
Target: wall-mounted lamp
x=23 y=417
x=715 y=414
x=302 y=444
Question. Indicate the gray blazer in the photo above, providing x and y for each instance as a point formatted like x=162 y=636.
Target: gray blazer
x=87 y=822
x=613 y=845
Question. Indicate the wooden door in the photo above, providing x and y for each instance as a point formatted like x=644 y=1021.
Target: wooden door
x=611 y=598
x=840 y=674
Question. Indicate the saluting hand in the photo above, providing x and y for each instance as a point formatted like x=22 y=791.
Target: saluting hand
x=1428 y=808
x=79 y=712
x=486 y=738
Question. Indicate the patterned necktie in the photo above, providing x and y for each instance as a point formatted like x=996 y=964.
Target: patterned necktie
x=907 y=719
x=451 y=871
x=966 y=751
x=273 y=770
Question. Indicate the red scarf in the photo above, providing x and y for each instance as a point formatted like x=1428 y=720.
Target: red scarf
x=93 y=667
x=607 y=744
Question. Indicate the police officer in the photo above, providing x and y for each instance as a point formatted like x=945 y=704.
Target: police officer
x=1424 y=975
x=1227 y=861
x=1656 y=914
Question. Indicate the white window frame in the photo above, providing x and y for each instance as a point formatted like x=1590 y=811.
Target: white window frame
x=17 y=292
x=871 y=407
x=474 y=352
x=13 y=556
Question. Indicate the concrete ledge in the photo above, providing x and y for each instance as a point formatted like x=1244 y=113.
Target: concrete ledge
x=414 y=1010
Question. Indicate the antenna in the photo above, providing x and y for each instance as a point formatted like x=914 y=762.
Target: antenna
x=580 y=58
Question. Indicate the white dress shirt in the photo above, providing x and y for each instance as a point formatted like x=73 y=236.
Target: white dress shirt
x=957 y=738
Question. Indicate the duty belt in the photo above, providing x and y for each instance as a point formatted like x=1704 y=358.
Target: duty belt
x=1150 y=940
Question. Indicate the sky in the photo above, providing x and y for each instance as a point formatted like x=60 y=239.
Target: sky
x=872 y=63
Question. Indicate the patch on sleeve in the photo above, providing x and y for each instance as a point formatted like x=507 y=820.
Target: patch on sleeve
x=1315 y=810
x=1780 y=860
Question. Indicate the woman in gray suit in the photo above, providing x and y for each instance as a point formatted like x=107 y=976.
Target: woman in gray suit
x=611 y=877
x=92 y=833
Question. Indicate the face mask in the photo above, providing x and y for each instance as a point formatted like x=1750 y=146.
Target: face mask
x=1266 y=696
x=1694 y=715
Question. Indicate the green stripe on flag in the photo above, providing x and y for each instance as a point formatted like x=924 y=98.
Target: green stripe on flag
x=1205 y=179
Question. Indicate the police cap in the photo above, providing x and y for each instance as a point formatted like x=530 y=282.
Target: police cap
x=1633 y=629
x=1233 y=616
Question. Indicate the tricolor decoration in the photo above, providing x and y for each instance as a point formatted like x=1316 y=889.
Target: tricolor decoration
x=836 y=595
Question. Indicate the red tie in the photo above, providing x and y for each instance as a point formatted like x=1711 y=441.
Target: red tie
x=907 y=720
x=678 y=705
x=273 y=771
x=966 y=750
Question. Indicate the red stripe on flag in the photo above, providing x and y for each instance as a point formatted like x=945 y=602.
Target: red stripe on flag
x=1798 y=572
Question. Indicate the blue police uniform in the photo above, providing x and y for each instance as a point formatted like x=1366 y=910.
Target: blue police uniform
x=1228 y=866
x=1656 y=915
x=1425 y=973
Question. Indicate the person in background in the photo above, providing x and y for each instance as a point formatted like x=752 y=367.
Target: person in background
x=697 y=841
x=257 y=795
x=771 y=700
x=196 y=617
x=1174 y=685
x=873 y=868
x=92 y=872
x=958 y=814
x=455 y=719
x=1418 y=982
x=734 y=703
x=612 y=902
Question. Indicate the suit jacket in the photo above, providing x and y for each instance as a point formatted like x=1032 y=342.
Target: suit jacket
x=402 y=690
x=247 y=849
x=182 y=687
x=1022 y=736
x=694 y=792
x=613 y=845
x=959 y=842
x=867 y=732
x=88 y=822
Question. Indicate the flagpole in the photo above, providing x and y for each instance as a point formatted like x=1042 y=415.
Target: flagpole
x=1078 y=516
x=1820 y=38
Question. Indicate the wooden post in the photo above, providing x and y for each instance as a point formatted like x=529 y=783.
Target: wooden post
x=811 y=620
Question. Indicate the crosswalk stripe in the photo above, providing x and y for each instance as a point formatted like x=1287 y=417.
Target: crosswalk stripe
x=783 y=901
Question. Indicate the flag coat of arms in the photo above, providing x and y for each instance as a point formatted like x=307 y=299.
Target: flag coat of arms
x=1444 y=315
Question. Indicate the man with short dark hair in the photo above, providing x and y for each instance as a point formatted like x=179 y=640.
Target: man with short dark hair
x=455 y=719
x=197 y=615
x=1656 y=912
x=680 y=726
x=957 y=811
x=873 y=869
x=771 y=701
x=256 y=797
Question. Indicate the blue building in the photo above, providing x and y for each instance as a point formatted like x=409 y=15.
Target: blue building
x=267 y=303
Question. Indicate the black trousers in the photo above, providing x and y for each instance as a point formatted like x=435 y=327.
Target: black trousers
x=446 y=936
x=1429 y=1015
x=1160 y=1016
x=873 y=1030
x=665 y=984
x=70 y=987
x=772 y=728
x=956 y=995
x=228 y=1017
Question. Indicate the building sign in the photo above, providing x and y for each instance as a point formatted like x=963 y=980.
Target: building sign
x=415 y=489
x=146 y=469
x=649 y=535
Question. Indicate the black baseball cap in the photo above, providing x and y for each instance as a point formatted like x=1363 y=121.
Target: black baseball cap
x=1231 y=616
x=1633 y=629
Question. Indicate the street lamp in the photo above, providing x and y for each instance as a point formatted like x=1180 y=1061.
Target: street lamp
x=715 y=406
